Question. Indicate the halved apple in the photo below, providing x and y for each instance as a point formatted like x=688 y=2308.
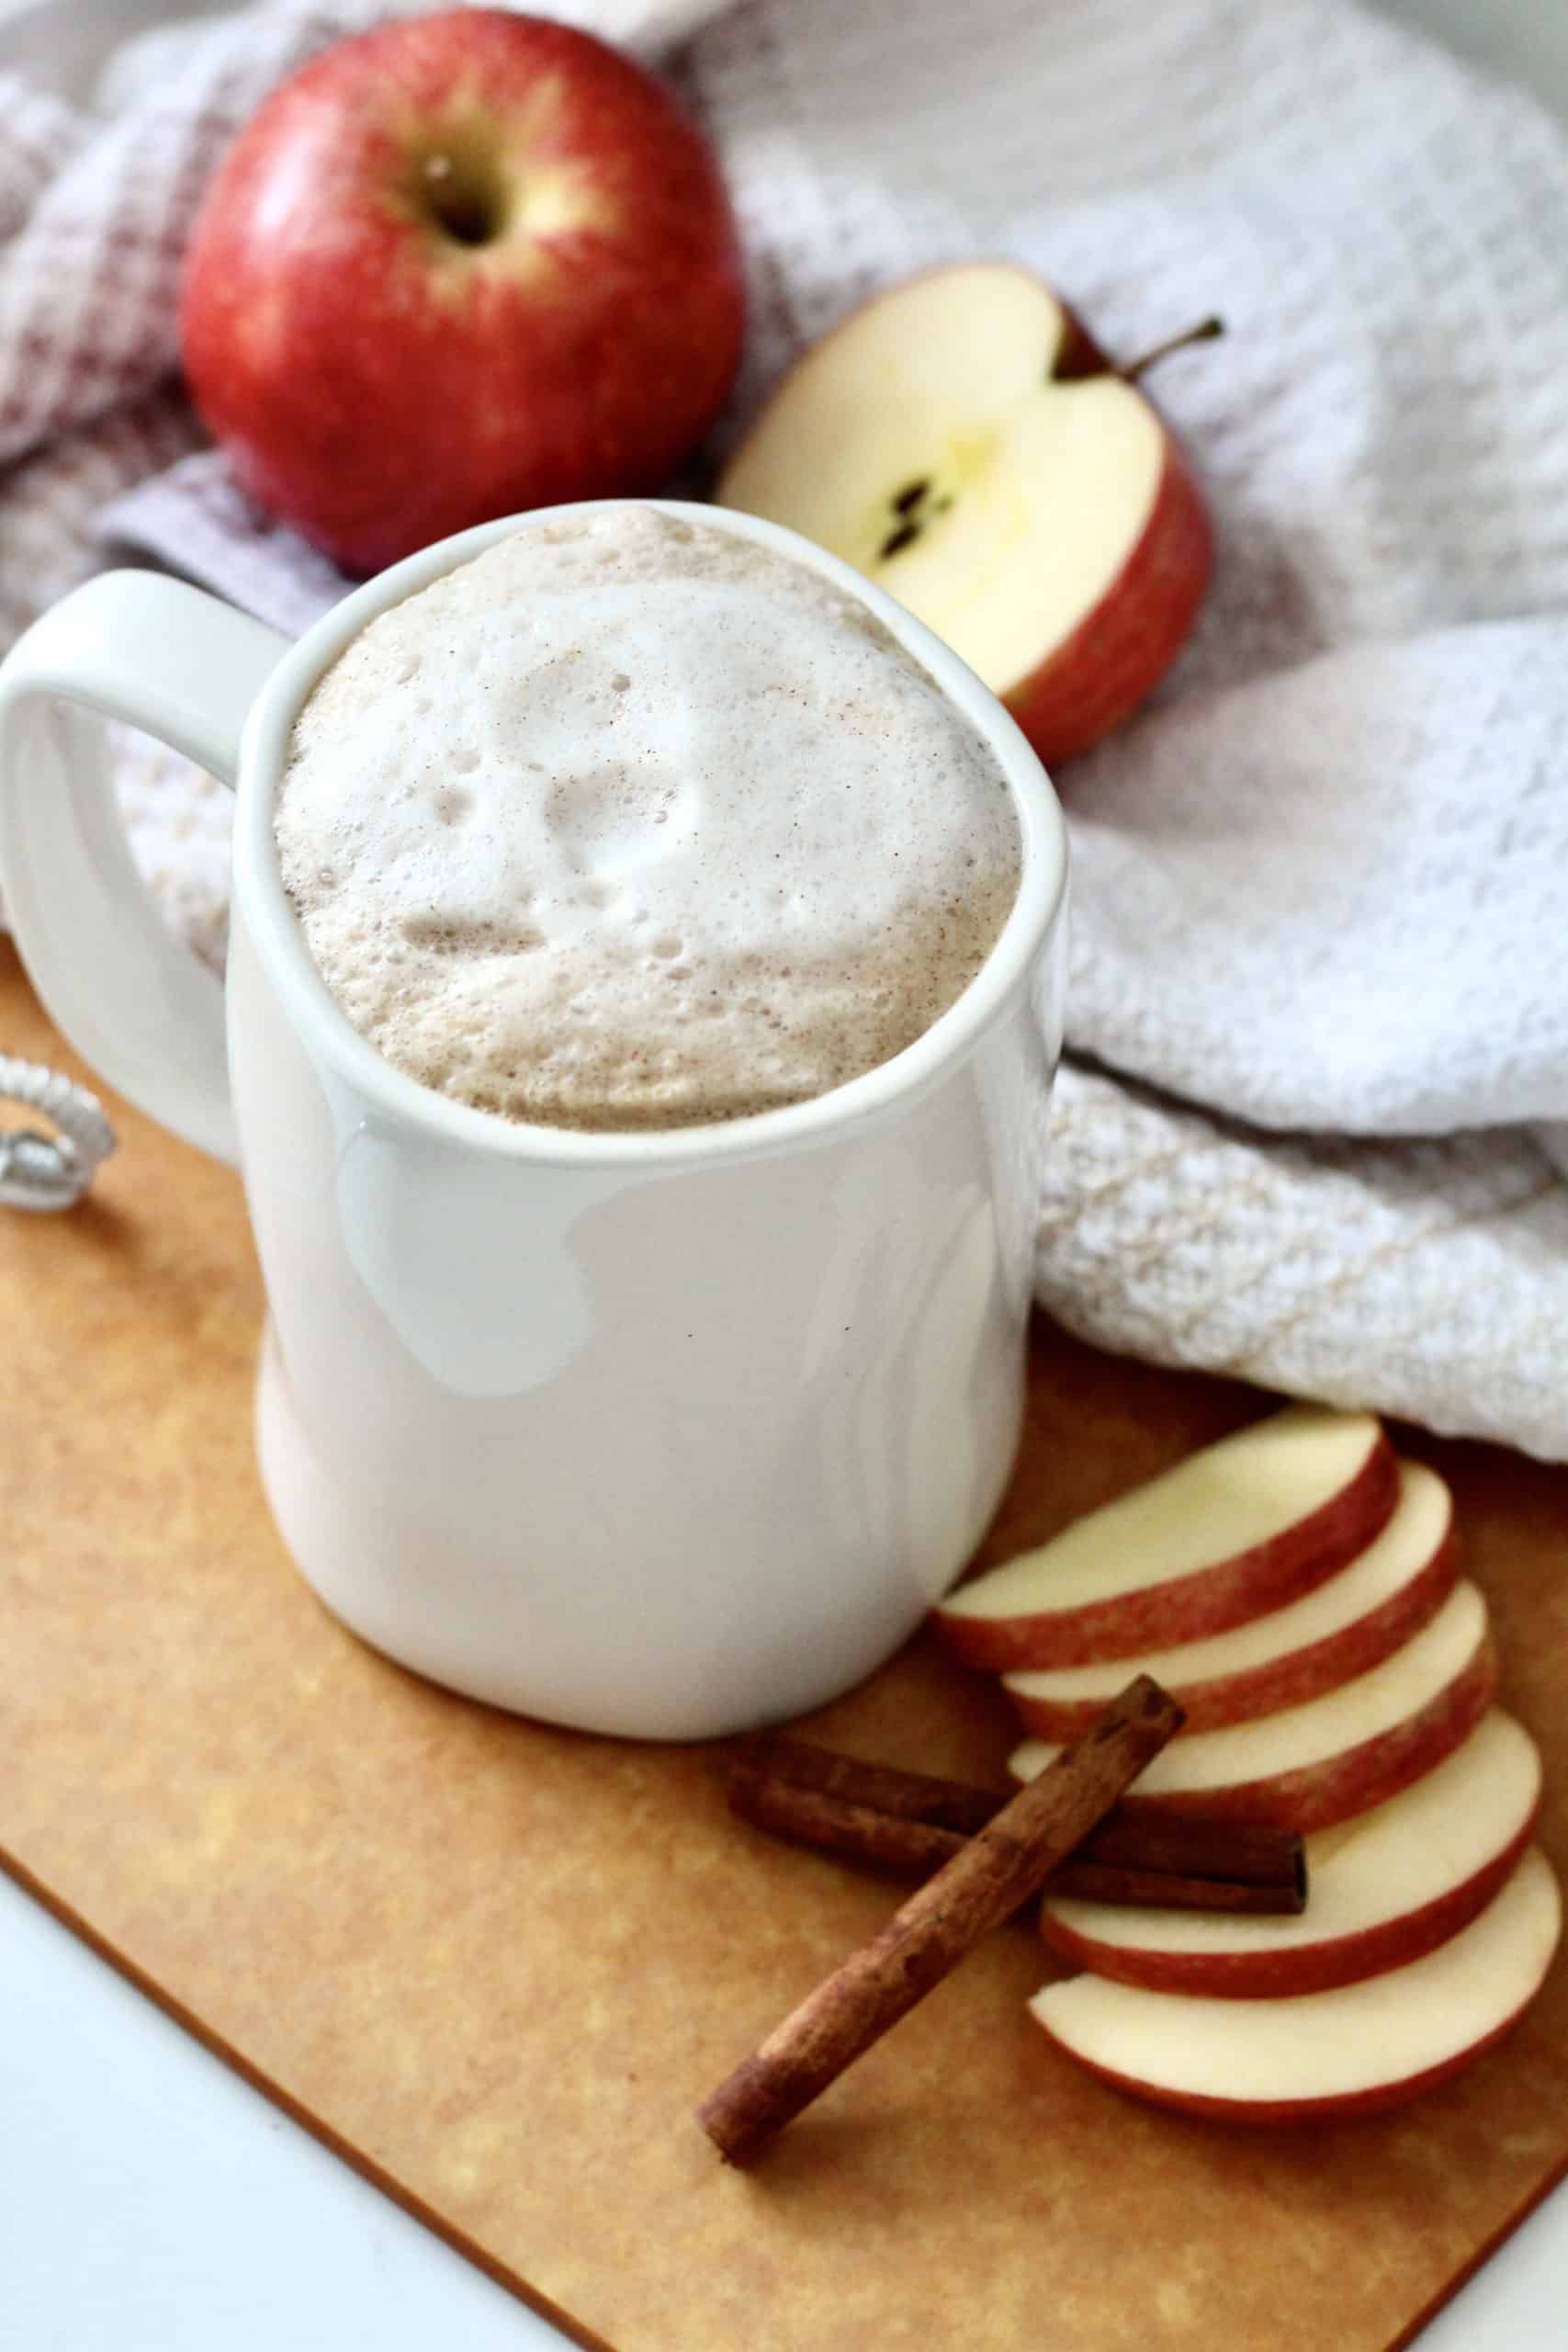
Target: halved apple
x=1345 y=1625
x=962 y=441
x=1310 y=1766
x=1387 y=1886
x=1361 y=2047
x=1241 y=1527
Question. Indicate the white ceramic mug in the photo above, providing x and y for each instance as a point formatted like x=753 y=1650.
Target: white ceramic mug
x=665 y=1435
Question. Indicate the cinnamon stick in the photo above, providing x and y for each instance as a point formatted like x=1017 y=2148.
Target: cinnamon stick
x=1006 y=1859
x=1165 y=1891
x=912 y=1823
x=858 y=1832
x=1250 y=1853
x=881 y=1788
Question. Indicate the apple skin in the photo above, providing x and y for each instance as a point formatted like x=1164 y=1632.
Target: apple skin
x=1317 y=1795
x=379 y=382
x=1187 y=1608
x=1302 y=1968
x=1288 y=1680
x=1119 y=652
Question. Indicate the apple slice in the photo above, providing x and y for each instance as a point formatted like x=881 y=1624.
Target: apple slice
x=1361 y=2047
x=1355 y=1619
x=961 y=441
x=1386 y=1887
x=1237 y=1529
x=1310 y=1766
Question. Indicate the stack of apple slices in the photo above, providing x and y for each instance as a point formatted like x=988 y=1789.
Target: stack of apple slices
x=1297 y=1589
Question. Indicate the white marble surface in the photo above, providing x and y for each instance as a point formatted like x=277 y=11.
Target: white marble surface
x=151 y=2202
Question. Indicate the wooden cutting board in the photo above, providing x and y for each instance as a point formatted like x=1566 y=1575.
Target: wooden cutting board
x=496 y=1965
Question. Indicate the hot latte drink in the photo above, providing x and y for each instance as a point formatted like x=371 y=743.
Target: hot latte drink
x=629 y=824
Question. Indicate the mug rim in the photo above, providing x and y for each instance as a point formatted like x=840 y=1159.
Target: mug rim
x=889 y=1086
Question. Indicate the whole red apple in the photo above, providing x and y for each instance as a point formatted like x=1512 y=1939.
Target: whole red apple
x=461 y=266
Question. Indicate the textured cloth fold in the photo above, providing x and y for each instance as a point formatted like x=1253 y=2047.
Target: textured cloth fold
x=1312 y=1130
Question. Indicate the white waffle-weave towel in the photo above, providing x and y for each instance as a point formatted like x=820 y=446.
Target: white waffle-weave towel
x=1312 y=1130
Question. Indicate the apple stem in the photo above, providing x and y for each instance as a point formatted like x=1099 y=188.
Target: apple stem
x=1204 y=332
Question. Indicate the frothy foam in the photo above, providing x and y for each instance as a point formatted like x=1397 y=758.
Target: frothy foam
x=627 y=823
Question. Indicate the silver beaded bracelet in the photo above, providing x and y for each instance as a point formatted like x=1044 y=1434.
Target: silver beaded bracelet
x=50 y=1172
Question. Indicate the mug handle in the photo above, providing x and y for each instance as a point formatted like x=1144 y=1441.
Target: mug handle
x=133 y=1001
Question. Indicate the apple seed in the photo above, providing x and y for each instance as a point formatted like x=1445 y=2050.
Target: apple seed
x=917 y=507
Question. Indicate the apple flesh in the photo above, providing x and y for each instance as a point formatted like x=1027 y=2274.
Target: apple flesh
x=1350 y=1623
x=961 y=441
x=1243 y=1526
x=1386 y=1887
x=1310 y=1766
x=1360 y=2048
x=459 y=266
